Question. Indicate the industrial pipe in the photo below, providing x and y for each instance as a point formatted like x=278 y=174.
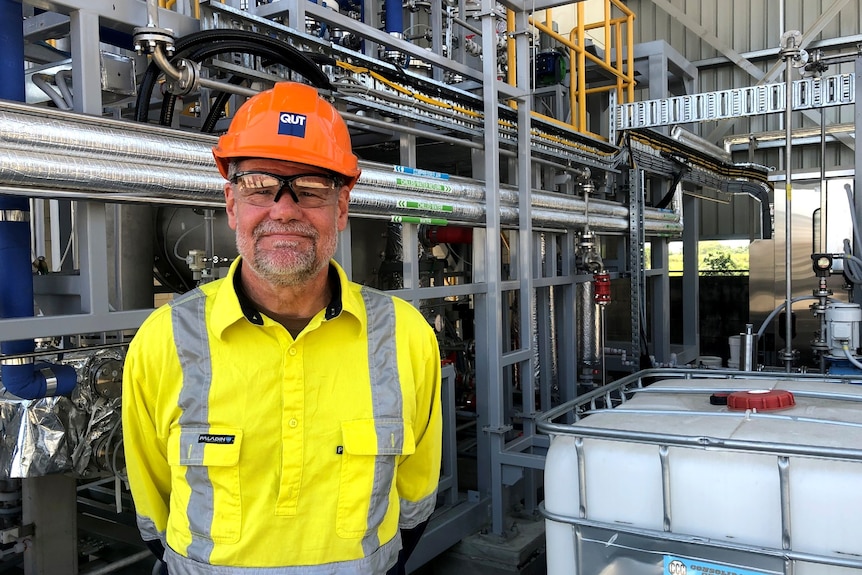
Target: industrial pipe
x=21 y=377
x=850 y=357
x=113 y=161
x=377 y=193
x=394 y=18
x=12 y=55
x=790 y=51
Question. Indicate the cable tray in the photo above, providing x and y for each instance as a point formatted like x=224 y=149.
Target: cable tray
x=750 y=101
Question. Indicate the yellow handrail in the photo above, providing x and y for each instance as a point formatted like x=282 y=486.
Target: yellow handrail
x=618 y=32
x=511 y=75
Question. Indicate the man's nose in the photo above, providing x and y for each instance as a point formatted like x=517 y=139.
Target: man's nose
x=285 y=205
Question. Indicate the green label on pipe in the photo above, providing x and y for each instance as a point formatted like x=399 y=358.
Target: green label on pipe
x=420 y=185
x=419 y=220
x=427 y=206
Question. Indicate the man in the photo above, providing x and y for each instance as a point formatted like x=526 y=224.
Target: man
x=284 y=420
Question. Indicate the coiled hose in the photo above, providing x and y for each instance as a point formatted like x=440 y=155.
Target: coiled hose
x=205 y=44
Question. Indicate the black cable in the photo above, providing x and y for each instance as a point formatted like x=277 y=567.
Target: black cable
x=217 y=106
x=289 y=56
x=169 y=102
x=179 y=284
x=665 y=201
x=205 y=52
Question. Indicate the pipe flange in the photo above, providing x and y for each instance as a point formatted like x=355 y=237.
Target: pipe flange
x=147 y=38
x=14 y=216
x=189 y=74
x=17 y=361
x=791 y=42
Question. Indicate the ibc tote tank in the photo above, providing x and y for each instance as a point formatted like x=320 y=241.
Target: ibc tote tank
x=675 y=482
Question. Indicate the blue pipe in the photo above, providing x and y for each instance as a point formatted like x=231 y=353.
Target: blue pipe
x=12 y=55
x=26 y=379
x=394 y=17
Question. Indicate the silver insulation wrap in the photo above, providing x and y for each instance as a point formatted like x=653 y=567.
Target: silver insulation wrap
x=34 y=437
x=55 y=154
x=589 y=346
x=80 y=433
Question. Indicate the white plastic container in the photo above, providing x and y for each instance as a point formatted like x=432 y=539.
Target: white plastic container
x=709 y=362
x=733 y=343
x=668 y=476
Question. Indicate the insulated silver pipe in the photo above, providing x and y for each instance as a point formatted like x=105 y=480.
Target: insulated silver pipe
x=50 y=154
x=40 y=129
x=40 y=176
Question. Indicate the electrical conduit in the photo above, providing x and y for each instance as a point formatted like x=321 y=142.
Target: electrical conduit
x=22 y=376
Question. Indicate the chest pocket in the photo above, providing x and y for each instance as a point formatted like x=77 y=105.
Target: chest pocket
x=370 y=454
x=205 y=472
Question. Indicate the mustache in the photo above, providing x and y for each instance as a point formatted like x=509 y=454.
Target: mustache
x=271 y=227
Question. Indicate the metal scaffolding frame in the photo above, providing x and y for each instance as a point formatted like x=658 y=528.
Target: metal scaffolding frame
x=515 y=380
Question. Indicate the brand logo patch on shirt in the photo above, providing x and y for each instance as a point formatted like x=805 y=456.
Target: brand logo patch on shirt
x=211 y=438
x=290 y=124
x=339 y=450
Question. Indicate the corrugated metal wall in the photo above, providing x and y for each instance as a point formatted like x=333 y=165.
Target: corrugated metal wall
x=750 y=28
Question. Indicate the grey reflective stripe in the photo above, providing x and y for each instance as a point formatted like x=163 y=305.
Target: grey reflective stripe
x=192 y=343
x=415 y=512
x=148 y=528
x=378 y=563
x=386 y=403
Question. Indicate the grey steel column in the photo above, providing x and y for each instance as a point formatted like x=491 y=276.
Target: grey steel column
x=489 y=324
x=567 y=343
x=690 y=279
x=636 y=257
x=49 y=503
x=525 y=357
x=857 y=183
x=790 y=51
x=409 y=237
x=660 y=300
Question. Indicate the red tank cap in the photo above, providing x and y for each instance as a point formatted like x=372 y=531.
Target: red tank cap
x=760 y=399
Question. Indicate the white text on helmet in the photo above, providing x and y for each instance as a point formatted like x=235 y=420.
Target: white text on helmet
x=295 y=119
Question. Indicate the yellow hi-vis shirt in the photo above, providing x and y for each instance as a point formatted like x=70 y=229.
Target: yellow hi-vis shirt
x=246 y=447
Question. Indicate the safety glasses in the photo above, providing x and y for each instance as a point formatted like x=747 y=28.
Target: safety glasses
x=307 y=190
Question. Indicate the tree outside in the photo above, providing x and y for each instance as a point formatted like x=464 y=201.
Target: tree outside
x=715 y=257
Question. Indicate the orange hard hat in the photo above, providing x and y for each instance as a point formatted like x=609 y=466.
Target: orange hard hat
x=289 y=122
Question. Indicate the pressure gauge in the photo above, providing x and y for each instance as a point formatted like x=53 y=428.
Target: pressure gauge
x=822 y=263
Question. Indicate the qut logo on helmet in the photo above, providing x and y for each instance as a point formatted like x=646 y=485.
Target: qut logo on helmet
x=290 y=124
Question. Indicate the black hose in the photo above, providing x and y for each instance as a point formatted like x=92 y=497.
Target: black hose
x=208 y=51
x=217 y=106
x=226 y=41
x=169 y=101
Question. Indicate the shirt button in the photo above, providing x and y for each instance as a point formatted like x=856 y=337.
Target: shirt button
x=292 y=351
x=293 y=423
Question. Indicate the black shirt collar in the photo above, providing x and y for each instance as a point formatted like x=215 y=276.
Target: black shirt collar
x=251 y=313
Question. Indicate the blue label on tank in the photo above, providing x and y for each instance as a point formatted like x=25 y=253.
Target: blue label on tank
x=418 y=172
x=682 y=566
